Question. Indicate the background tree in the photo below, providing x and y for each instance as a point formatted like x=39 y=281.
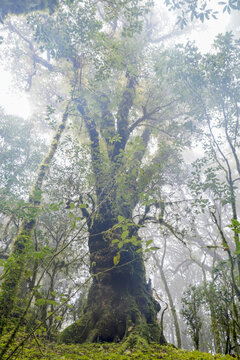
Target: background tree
x=191 y=301
x=16 y=263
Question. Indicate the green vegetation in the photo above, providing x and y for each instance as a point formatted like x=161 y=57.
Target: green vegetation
x=132 y=348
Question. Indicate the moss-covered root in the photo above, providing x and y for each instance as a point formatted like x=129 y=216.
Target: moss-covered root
x=131 y=334
x=112 y=314
x=119 y=301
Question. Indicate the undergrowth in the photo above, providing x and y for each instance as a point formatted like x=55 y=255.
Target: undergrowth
x=132 y=348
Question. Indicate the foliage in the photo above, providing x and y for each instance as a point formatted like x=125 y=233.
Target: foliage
x=197 y=9
x=212 y=85
x=25 y=6
x=20 y=154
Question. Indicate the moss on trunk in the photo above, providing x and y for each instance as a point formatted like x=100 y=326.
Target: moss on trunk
x=119 y=301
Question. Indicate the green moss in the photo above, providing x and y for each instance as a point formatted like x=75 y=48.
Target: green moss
x=133 y=341
x=71 y=334
x=135 y=348
x=92 y=327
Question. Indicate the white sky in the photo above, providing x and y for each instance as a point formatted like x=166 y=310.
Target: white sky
x=205 y=38
x=17 y=103
x=13 y=102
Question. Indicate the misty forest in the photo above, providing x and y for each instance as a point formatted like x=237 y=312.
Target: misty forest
x=119 y=187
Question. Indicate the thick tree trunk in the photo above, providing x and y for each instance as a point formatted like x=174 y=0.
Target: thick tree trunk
x=119 y=300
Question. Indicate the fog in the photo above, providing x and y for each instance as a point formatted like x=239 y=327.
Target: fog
x=119 y=146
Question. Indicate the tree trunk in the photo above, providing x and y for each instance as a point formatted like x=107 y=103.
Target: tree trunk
x=119 y=301
x=172 y=307
x=169 y=295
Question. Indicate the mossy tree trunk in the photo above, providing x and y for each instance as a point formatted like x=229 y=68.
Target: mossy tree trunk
x=119 y=300
x=15 y=265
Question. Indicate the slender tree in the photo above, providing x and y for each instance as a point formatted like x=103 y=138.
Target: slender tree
x=15 y=265
x=169 y=295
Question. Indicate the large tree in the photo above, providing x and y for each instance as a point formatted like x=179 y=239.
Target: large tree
x=125 y=109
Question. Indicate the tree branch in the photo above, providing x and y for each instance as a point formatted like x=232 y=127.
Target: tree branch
x=122 y=116
x=32 y=54
x=148 y=115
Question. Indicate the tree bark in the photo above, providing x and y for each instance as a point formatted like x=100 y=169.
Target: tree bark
x=119 y=300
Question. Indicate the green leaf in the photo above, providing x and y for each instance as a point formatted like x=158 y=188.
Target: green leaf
x=116 y=259
x=115 y=241
x=73 y=224
x=51 y=302
x=54 y=207
x=72 y=205
x=235 y=222
x=154 y=248
x=237 y=252
x=133 y=239
x=120 y=218
x=148 y=242
x=124 y=234
x=83 y=206
x=40 y=302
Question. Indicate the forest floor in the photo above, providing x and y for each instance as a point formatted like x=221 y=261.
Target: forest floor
x=37 y=350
